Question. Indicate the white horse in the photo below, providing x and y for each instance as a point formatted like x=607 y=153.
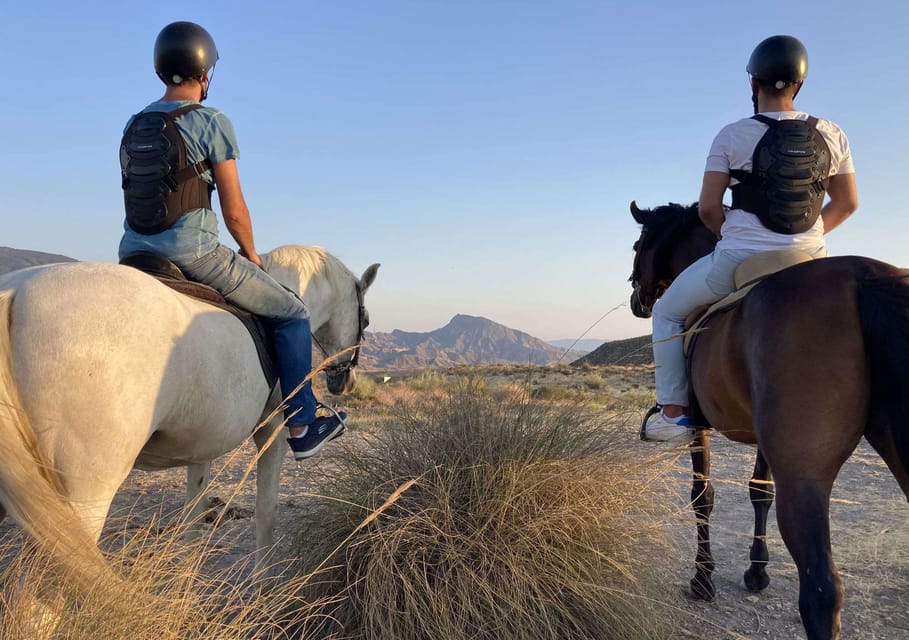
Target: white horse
x=103 y=368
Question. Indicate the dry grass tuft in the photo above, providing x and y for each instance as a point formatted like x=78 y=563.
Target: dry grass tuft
x=171 y=591
x=470 y=516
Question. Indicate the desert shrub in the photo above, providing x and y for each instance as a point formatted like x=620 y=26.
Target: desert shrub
x=364 y=392
x=469 y=517
x=169 y=591
x=593 y=381
x=553 y=392
x=428 y=380
x=508 y=392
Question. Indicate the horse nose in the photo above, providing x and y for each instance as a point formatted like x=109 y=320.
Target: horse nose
x=334 y=382
x=342 y=383
x=638 y=308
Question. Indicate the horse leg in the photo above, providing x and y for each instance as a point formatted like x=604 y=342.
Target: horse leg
x=760 y=489
x=268 y=473
x=803 y=517
x=197 y=478
x=702 y=500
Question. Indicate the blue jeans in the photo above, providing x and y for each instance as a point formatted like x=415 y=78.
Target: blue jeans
x=247 y=286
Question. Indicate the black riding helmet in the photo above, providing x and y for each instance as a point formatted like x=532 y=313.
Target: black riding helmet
x=778 y=61
x=184 y=50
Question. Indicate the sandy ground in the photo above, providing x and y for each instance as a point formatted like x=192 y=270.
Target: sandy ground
x=870 y=531
x=870 y=534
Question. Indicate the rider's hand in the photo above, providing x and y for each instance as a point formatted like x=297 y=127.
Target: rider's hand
x=253 y=257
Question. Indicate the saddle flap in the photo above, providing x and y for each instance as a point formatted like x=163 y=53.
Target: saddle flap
x=153 y=264
x=169 y=274
x=195 y=290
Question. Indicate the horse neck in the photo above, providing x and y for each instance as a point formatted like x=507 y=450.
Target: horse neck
x=310 y=272
x=693 y=244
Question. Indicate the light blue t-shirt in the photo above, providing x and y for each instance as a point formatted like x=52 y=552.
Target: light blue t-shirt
x=208 y=134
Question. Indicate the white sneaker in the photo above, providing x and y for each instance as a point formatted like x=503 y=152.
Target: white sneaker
x=659 y=428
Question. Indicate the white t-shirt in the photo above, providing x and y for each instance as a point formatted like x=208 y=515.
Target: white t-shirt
x=732 y=149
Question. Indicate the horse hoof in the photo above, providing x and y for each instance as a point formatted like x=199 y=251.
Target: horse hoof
x=756 y=580
x=703 y=589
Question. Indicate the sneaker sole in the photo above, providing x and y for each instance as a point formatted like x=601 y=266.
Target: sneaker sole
x=303 y=455
x=665 y=434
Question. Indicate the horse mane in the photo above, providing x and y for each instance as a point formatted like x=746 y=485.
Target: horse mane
x=309 y=262
x=670 y=218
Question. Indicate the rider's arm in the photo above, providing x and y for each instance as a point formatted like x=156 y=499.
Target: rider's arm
x=843 y=200
x=710 y=204
x=234 y=209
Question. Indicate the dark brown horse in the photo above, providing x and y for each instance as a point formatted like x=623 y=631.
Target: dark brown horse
x=814 y=358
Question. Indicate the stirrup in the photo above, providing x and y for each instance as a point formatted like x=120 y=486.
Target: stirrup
x=334 y=412
x=643 y=432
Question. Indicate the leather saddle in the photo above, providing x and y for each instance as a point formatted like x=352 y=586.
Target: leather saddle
x=747 y=274
x=170 y=275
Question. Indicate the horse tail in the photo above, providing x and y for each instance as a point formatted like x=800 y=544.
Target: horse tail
x=30 y=490
x=884 y=311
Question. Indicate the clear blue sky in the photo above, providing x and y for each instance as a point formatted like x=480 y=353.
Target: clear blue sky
x=484 y=152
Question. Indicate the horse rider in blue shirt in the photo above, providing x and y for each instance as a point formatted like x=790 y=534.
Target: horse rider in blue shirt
x=186 y=231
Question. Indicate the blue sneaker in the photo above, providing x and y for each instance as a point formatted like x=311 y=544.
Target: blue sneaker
x=659 y=428
x=323 y=430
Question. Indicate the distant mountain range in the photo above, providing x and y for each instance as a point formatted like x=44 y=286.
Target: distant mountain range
x=631 y=351
x=465 y=340
x=12 y=259
x=582 y=346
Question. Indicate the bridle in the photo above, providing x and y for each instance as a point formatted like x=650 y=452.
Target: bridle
x=645 y=299
x=338 y=368
x=636 y=265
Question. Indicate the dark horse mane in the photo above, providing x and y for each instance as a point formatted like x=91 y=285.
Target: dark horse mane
x=670 y=217
x=666 y=222
x=662 y=227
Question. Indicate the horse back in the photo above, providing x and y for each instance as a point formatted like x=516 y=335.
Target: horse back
x=106 y=358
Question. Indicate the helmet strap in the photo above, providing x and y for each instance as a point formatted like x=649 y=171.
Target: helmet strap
x=754 y=93
x=208 y=75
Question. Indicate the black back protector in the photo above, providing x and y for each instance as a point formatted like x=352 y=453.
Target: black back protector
x=158 y=184
x=789 y=173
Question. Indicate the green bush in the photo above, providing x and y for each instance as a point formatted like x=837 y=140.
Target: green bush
x=365 y=391
x=553 y=393
x=427 y=380
x=593 y=381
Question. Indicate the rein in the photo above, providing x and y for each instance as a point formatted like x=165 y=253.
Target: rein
x=338 y=368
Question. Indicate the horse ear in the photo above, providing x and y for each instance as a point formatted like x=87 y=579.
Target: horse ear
x=368 y=277
x=636 y=213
